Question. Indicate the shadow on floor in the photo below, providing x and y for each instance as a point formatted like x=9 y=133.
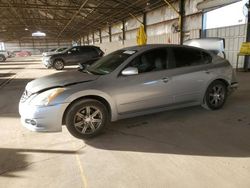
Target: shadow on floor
x=12 y=68
x=191 y=131
x=6 y=74
x=14 y=160
x=13 y=64
x=30 y=60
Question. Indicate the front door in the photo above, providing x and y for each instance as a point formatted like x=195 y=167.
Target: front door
x=150 y=89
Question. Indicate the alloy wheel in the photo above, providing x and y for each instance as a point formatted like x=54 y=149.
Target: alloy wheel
x=217 y=95
x=88 y=119
x=59 y=65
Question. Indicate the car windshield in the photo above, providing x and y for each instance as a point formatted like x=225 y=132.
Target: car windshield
x=52 y=50
x=110 y=62
x=61 y=49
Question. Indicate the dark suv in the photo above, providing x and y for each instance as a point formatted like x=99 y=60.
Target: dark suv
x=73 y=56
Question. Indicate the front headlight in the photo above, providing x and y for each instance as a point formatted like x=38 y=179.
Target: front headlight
x=45 y=98
x=46 y=58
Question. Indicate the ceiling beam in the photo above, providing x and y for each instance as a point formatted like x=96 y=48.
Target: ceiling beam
x=55 y=7
x=73 y=17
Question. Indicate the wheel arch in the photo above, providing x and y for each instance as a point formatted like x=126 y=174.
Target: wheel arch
x=58 y=58
x=95 y=97
x=224 y=80
x=4 y=58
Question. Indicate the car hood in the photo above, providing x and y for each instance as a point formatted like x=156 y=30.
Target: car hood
x=48 y=54
x=59 y=80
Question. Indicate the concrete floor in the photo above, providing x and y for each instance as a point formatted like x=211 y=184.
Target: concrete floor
x=190 y=147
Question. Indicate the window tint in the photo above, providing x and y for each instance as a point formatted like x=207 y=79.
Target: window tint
x=188 y=57
x=110 y=62
x=90 y=51
x=75 y=50
x=206 y=57
x=154 y=60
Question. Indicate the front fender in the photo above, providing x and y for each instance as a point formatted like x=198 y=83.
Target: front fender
x=97 y=93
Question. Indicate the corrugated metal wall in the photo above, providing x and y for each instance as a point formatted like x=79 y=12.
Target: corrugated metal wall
x=36 y=46
x=159 y=28
x=234 y=36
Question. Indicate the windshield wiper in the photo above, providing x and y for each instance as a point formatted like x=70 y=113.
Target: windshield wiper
x=93 y=72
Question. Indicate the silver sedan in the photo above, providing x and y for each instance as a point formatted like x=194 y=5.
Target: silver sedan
x=129 y=82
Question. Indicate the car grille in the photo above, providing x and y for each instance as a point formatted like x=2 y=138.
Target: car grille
x=25 y=96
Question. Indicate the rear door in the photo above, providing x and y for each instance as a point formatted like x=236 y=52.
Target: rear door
x=189 y=71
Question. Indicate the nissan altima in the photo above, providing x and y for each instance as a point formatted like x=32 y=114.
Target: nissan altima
x=129 y=82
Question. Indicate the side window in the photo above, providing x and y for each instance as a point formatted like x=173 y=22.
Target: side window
x=75 y=50
x=188 y=57
x=89 y=51
x=206 y=57
x=154 y=60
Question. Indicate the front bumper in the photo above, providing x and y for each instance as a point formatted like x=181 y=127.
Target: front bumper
x=42 y=119
x=46 y=63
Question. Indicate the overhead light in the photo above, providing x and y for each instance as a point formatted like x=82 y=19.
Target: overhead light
x=38 y=34
x=26 y=29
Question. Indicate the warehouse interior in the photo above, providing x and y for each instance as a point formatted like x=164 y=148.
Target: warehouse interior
x=189 y=147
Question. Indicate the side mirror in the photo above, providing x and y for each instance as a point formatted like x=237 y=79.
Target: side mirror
x=69 y=52
x=129 y=71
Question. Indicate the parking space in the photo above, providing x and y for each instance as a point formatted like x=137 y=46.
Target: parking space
x=190 y=147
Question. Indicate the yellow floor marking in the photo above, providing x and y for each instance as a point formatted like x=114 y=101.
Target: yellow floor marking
x=83 y=177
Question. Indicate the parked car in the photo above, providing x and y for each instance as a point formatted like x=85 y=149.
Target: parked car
x=22 y=53
x=126 y=83
x=3 y=55
x=72 y=56
x=54 y=51
x=11 y=54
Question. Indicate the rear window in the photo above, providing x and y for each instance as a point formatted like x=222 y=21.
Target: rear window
x=92 y=51
x=183 y=57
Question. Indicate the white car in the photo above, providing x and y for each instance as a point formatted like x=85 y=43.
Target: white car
x=3 y=55
x=129 y=82
x=54 y=51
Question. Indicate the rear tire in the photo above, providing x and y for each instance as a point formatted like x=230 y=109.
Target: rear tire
x=58 y=64
x=215 y=96
x=2 y=58
x=86 y=118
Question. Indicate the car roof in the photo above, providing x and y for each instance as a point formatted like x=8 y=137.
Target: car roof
x=91 y=46
x=152 y=46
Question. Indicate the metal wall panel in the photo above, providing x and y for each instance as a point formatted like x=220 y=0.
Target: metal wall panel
x=36 y=46
x=159 y=27
x=234 y=36
x=132 y=23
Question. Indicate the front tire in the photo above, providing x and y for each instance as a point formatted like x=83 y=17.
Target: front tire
x=86 y=118
x=2 y=58
x=215 y=96
x=58 y=64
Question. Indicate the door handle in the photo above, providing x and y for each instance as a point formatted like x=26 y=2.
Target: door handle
x=165 y=80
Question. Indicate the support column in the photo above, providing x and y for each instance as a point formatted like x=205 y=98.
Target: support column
x=145 y=21
x=88 y=39
x=110 y=34
x=100 y=35
x=123 y=32
x=247 y=58
x=182 y=16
